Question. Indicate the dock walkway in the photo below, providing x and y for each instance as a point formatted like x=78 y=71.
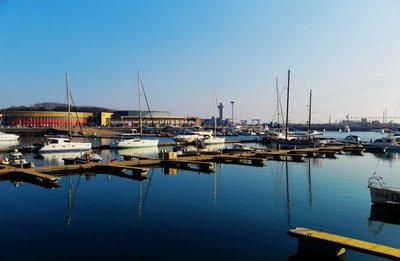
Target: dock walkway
x=331 y=244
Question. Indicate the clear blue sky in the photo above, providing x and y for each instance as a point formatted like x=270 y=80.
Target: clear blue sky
x=347 y=52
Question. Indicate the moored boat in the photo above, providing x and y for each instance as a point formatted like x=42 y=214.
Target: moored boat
x=61 y=145
x=133 y=143
x=136 y=142
x=381 y=194
x=388 y=143
x=16 y=159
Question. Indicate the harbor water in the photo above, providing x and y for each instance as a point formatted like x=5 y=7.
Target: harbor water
x=235 y=213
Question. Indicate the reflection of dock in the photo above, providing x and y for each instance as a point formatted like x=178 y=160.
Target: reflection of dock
x=334 y=245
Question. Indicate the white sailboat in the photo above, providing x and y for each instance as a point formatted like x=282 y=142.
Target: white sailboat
x=136 y=142
x=210 y=139
x=64 y=144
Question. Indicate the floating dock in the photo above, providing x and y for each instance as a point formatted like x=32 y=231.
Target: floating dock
x=335 y=246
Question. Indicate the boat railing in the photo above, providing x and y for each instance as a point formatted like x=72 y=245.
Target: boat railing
x=376 y=181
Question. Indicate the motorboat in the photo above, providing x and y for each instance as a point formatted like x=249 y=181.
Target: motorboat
x=61 y=145
x=8 y=137
x=350 y=139
x=134 y=143
x=388 y=143
x=16 y=159
x=381 y=194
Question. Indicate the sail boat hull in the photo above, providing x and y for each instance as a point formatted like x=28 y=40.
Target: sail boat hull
x=296 y=144
x=134 y=143
x=213 y=140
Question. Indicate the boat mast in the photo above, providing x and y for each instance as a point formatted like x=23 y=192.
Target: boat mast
x=309 y=116
x=68 y=104
x=277 y=98
x=287 y=107
x=140 y=108
x=215 y=104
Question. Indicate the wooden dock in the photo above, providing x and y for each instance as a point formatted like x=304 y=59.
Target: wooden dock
x=335 y=245
x=137 y=167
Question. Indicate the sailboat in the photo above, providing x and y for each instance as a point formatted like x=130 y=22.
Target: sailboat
x=299 y=142
x=210 y=139
x=136 y=142
x=63 y=144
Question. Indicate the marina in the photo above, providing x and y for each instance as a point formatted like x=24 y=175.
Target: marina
x=287 y=181
x=199 y=130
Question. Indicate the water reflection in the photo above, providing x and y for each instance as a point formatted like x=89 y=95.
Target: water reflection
x=388 y=156
x=151 y=152
x=284 y=179
x=143 y=191
x=6 y=145
x=216 y=147
x=381 y=215
x=287 y=193
x=56 y=159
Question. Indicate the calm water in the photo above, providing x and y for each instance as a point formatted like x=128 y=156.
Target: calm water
x=236 y=213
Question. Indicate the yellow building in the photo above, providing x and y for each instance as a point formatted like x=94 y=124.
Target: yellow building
x=104 y=118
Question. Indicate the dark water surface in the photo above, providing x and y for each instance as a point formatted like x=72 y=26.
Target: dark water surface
x=235 y=213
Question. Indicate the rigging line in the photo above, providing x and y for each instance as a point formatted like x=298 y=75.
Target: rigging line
x=148 y=107
x=76 y=114
x=397 y=109
x=280 y=104
x=376 y=168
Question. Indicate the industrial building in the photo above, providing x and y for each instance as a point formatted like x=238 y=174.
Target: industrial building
x=117 y=118
x=159 y=118
x=45 y=118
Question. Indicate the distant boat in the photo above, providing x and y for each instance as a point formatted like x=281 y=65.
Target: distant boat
x=136 y=142
x=210 y=139
x=347 y=128
x=381 y=194
x=8 y=137
x=388 y=143
x=350 y=139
